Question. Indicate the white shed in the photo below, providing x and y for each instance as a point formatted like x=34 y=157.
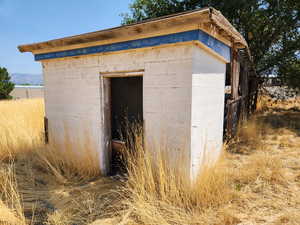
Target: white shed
x=167 y=72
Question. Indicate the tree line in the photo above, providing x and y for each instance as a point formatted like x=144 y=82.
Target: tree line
x=270 y=27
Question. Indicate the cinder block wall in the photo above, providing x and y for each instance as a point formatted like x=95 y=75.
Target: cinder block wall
x=72 y=101
x=72 y=95
x=208 y=89
x=172 y=119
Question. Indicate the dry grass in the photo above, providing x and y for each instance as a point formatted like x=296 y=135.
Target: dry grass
x=158 y=194
x=21 y=125
x=67 y=165
x=257 y=181
x=41 y=175
x=11 y=209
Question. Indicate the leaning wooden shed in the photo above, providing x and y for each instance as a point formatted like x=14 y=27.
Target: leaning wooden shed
x=168 y=73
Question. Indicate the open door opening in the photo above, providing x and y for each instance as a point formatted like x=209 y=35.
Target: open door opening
x=126 y=111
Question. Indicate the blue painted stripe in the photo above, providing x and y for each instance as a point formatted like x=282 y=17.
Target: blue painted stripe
x=216 y=45
x=192 y=35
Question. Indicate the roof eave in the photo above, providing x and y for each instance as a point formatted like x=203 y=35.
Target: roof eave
x=109 y=33
x=205 y=15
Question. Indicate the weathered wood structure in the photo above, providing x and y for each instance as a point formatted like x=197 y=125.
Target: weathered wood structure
x=167 y=73
x=244 y=91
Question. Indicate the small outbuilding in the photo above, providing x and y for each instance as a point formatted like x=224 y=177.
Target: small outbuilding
x=167 y=73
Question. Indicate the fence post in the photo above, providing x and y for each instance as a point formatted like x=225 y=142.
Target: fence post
x=232 y=107
x=46 y=130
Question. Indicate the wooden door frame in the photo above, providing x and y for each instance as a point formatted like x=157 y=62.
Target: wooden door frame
x=105 y=104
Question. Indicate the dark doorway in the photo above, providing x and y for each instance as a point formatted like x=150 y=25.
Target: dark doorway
x=126 y=104
x=126 y=110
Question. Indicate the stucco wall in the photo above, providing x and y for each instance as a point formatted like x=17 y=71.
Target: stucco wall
x=73 y=96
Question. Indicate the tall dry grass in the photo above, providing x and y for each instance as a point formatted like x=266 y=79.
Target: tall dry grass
x=21 y=126
x=72 y=160
x=11 y=208
x=22 y=149
x=251 y=176
x=159 y=193
x=22 y=132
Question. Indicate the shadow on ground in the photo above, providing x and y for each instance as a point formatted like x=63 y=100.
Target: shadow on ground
x=283 y=119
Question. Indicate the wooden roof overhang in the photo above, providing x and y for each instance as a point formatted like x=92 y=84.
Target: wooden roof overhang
x=206 y=27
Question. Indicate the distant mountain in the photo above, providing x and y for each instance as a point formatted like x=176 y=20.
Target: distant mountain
x=28 y=79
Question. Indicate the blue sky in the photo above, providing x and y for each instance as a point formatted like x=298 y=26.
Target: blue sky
x=28 y=21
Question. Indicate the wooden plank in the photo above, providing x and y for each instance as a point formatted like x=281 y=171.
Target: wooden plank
x=244 y=83
x=223 y=24
x=244 y=91
x=233 y=106
x=117 y=145
x=235 y=74
x=128 y=73
x=46 y=132
x=229 y=121
x=106 y=121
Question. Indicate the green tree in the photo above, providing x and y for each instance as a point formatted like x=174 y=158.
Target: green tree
x=271 y=28
x=290 y=73
x=6 y=86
